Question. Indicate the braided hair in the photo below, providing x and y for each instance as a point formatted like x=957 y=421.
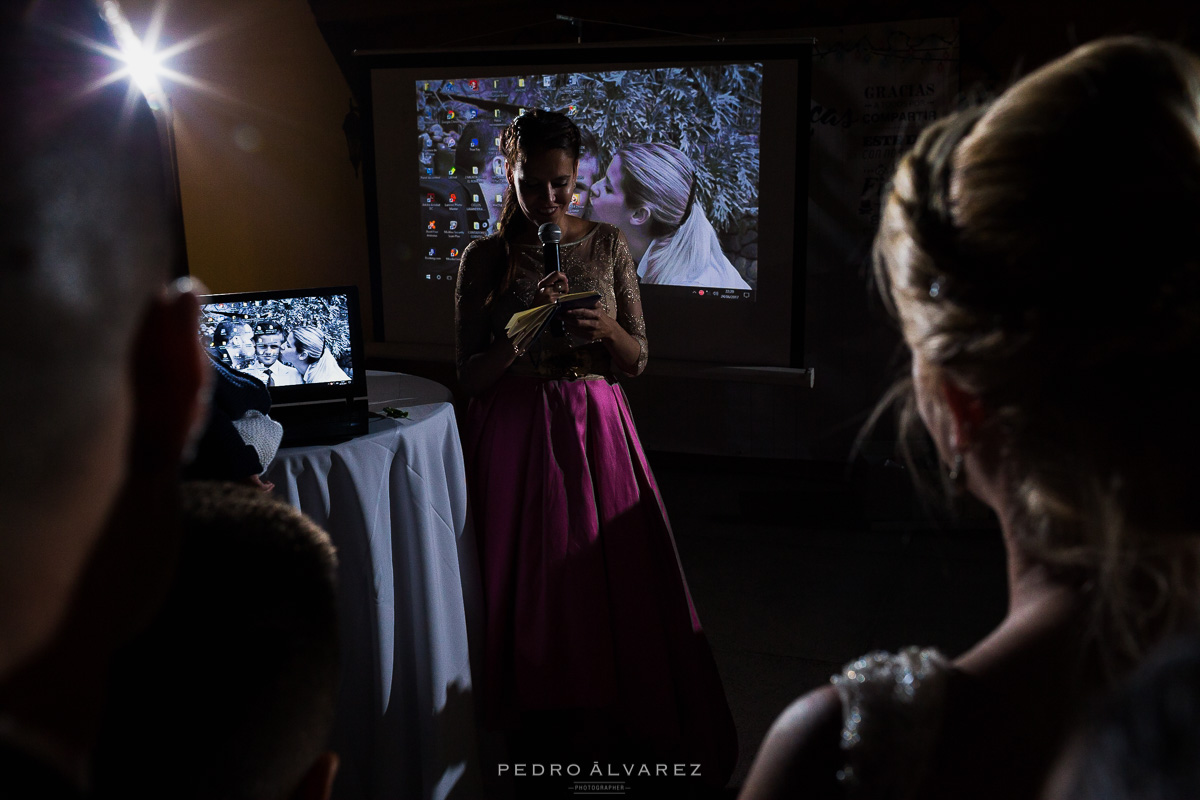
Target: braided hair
x=1052 y=273
x=531 y=134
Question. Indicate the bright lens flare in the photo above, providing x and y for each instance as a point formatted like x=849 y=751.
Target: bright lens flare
x=142 y=63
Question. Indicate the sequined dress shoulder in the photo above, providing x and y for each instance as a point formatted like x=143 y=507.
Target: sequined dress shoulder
x=892 y=710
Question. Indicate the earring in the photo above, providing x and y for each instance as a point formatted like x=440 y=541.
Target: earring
x=957 y=473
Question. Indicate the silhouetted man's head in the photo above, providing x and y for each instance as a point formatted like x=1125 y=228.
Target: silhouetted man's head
x=230 y=692
x=86 y=247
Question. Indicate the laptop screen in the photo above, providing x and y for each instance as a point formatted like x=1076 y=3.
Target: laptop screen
x=305 y=344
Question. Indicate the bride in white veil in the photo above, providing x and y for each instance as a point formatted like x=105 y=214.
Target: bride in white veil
x=306 y=351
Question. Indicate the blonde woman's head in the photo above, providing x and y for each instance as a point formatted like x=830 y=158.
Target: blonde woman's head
x=1041 y=257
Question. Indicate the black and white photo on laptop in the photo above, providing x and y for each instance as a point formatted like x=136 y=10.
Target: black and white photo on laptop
x=283 y=342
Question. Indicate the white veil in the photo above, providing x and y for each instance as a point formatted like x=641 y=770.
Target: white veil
x=326 y=370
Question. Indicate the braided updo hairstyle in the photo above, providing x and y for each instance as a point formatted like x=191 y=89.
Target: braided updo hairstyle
x=1042 y=254
x=535 y=132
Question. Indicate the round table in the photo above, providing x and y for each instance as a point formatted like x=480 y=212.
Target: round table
x=394 y=502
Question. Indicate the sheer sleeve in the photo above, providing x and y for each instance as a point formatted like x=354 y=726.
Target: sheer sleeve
x=629 y=301
x=477 y=274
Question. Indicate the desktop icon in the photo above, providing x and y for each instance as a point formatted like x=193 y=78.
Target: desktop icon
x=432 y=252
x=454 y=252
x=429 y=197
x=433 y=224
x=452 y=171
x=474 y=143
x=453 y=224
x=453 y=197
x=473 y=85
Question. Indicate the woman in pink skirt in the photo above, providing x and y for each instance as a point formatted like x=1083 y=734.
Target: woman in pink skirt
x=594 y=652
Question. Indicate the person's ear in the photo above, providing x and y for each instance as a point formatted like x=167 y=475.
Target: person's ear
x=640 y=216
x=317 y=783
x=171 y=378
x=966 y=413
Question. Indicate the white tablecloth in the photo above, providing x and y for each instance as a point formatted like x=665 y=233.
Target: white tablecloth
x=402 y=391
x=394 y=502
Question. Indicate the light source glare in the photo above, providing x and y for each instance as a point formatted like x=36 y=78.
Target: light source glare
x=142 y=63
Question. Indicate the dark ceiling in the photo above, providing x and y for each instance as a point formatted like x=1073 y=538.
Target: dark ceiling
x=998 y=38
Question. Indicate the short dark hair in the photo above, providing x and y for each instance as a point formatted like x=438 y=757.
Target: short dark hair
x=466 y=156
x=588 y=142
x=268 y=328
x=230 y=692
x=226 y=330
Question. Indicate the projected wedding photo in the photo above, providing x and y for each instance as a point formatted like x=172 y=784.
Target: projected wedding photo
x=678 y=144
x=284 y=342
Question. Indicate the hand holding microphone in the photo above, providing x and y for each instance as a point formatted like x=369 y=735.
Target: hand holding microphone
x=550 y=288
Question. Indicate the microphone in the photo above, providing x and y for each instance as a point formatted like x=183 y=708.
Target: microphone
x=550 y=235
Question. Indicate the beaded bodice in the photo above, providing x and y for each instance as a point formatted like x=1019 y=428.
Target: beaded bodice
x=600 y=261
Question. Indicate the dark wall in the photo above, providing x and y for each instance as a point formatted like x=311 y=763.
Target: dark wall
x=998 y=42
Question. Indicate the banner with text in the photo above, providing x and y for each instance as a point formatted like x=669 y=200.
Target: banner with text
x=874 y=87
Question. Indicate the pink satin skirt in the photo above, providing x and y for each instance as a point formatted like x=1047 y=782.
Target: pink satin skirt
x=586 y=604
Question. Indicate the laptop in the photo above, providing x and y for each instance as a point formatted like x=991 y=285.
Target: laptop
x=306 y=346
